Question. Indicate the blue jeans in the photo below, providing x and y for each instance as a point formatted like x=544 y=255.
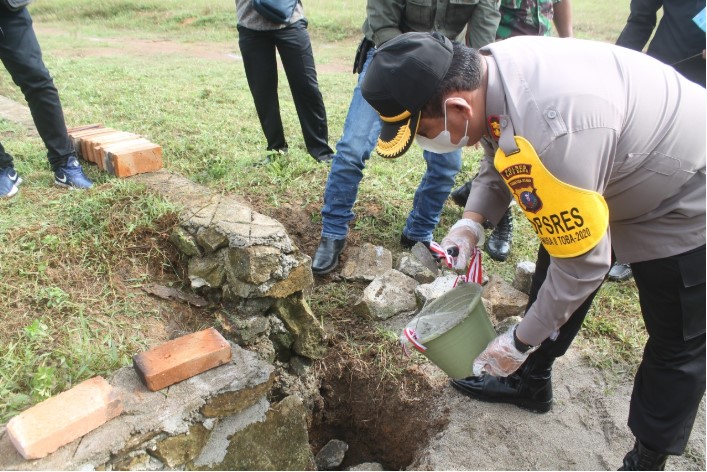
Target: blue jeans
x=361 y=130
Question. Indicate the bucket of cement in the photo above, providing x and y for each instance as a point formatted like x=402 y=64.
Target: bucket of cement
x=452 y=330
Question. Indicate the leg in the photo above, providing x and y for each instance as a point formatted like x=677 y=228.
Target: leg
x=258 y=51
x=295 y=50
x=431 y=194
x=9 y=179
x=498 y=245
x=670 y=381
x=22 y=57
x=5 y=158
x=361 y=130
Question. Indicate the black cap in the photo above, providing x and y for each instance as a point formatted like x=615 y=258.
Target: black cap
x=402 y=77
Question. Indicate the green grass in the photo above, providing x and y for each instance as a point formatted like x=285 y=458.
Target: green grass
x=60 y=256
x=71 y=263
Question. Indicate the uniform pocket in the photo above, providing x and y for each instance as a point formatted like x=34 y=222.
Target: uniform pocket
x=419 y=12
x=692 y=292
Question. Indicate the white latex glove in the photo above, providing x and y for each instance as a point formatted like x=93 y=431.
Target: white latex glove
x=461 y=239
x=501 y=357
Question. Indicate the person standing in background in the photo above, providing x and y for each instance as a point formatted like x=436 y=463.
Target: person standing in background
x=519 y=18
x=258 y=39
x=678 y=42
x=534 y=18
x=386 y=19
x=22 y=57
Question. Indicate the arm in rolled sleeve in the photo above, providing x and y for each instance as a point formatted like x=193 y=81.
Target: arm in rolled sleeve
x=640 y=24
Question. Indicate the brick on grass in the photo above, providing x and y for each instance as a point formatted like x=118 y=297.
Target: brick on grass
x=138 y=142
x=45 y=427
x=104 y=139
x=81 y=137
x=131 y=161
x=87 y=142
x=76 y=137
x=181 y=358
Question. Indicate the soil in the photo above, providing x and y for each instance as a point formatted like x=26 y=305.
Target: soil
x=414 y=419
x=419 y=422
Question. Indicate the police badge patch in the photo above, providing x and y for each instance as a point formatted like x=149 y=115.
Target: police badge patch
x=494 y=126
x=521 y=183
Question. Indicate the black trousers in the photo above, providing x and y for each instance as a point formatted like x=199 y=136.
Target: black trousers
x=22 y=57
x=293 y=45
x=551 y=349
x=670 y=381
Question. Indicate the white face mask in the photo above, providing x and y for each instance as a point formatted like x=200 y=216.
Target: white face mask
x=442 y=143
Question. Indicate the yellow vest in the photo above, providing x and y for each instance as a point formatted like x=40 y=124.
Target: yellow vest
x=568 y=220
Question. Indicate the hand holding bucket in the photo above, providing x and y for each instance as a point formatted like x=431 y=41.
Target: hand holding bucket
x=452 y=330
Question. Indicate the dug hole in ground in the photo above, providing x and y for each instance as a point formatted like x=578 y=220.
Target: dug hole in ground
x=420 y=422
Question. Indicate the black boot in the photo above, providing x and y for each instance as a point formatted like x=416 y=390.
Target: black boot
x=530 y=387
x=498 y=245
x=327 y=256
x=461 y=195
x=642 y=458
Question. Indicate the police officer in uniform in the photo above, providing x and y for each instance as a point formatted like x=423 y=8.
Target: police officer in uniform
x=583 y=151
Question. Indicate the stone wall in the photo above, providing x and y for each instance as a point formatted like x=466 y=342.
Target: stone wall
x=247 y=263
x=218 y=420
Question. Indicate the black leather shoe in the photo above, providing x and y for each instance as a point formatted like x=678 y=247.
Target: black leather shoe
x=498 y=245
x=324 y=158
x=460 y=195
x=642 y=458
x=529 y=387
x=620 y=272
x=327 y=256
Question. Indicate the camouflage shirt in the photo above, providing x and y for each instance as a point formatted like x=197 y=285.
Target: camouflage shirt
x=525 y=18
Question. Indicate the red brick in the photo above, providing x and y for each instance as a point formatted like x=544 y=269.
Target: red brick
x=138 y=142
x=87 y=142
x=85 y=137
x=181 y=358
x=131 y=161
x=77 y=135
x=45 y=427
x=105 y=139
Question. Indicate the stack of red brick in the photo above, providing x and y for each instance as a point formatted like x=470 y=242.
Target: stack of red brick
x=118 y=152
x=57 y=421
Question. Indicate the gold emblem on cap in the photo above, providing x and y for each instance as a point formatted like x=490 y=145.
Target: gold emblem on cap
x=398 y=143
